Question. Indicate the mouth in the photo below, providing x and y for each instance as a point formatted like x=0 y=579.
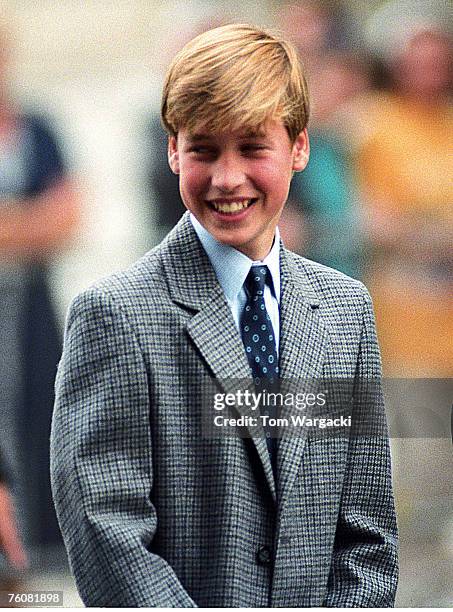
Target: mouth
x=231 y=207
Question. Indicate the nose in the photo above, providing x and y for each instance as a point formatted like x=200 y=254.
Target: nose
x=227 y=173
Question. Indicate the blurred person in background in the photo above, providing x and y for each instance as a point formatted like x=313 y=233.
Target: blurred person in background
x=404 y=141
x=38 y=213
x=326 y=196
x=10 y=544
x=405 y=168
x=161 y=182
x=322 y=219
x=317 y=27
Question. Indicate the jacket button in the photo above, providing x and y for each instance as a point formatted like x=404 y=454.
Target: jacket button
x=263 y=555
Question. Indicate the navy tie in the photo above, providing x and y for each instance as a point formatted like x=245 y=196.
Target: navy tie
x=259 y=342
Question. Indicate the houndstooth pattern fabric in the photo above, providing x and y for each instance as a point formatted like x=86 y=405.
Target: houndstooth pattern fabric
x=153 y=513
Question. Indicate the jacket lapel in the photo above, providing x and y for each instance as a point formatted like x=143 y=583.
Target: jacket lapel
x=193 y=285
x=303 y=342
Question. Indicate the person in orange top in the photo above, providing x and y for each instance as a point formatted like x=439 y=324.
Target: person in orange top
x=405 y=168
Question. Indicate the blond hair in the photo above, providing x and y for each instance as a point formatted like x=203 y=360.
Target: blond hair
x=235 y=77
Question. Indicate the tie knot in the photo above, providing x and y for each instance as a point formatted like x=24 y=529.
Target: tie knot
x=256 y=280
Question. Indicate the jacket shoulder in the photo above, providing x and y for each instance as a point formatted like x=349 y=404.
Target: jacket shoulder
x=329 y=284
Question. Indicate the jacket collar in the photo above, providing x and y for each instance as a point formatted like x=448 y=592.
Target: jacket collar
x=192 y=279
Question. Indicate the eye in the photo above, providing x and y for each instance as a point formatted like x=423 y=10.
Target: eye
x=202 y=151
x=253 y=148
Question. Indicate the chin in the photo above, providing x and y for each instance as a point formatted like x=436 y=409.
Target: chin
x=237 y=242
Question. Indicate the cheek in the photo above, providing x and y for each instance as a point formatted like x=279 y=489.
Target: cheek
x=274 y=180
x=193 y=180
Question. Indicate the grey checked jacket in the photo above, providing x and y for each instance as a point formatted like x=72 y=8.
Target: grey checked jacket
x=155 y=514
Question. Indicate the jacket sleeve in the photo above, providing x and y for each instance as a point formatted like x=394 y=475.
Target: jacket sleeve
x=101 y=463
x=364 y=570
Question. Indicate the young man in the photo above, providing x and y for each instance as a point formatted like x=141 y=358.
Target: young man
x=153 y=512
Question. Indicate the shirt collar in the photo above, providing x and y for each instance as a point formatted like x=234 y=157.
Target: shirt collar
x=225 y=258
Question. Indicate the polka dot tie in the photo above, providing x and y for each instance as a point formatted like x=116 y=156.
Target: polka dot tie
x=259 y=342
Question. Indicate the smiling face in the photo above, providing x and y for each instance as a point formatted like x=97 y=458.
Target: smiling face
x=236 y=183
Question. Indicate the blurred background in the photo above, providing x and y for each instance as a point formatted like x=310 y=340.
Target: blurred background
x=85 y=190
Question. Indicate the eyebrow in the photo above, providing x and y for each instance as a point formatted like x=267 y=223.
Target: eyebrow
x=197 y=137
x=250 y=134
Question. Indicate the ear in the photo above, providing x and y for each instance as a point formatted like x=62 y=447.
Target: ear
x=301 y=151
x=173 y=154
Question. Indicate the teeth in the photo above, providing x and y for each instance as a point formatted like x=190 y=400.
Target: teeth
x=231 y=207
